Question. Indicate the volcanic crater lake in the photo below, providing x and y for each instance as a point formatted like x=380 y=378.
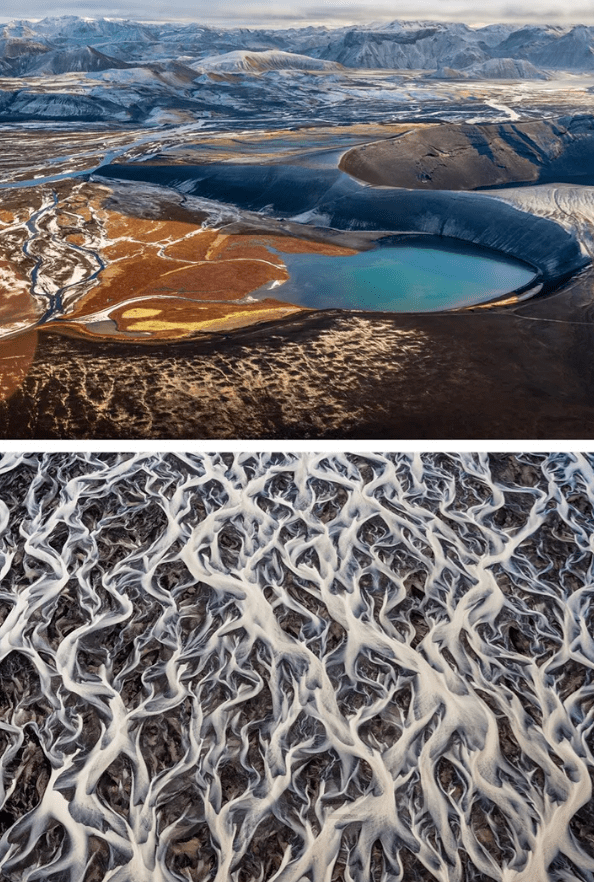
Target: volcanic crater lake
x=401 y=278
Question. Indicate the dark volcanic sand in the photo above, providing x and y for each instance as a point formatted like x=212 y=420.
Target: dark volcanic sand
x=523 y=372
x=468 y=156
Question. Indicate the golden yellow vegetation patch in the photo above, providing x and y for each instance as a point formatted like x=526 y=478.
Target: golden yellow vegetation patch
x=175 y=318
x=140 y=313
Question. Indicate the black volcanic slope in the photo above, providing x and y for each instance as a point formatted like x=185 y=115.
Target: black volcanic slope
x=342 y=203
x=467 y=157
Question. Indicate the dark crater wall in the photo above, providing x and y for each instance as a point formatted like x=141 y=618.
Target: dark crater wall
x=471 y=156
x=332 y=199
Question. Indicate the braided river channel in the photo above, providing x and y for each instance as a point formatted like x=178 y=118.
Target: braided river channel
x=296 y=667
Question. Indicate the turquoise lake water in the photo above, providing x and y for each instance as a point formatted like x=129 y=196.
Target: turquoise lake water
x=400 y=278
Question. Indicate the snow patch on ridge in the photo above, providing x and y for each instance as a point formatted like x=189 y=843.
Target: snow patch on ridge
x=270 y=59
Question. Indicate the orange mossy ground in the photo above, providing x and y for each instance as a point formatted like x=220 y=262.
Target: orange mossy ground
x=201 y=246
x=149 y=275
x=288 y=245
x=150 y=231
x=123 y=249
x=76 y=239
x=220 y=246
x=172 y=266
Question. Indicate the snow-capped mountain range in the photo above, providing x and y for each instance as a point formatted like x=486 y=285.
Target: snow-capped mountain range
x=115 y=71
x=68 y=43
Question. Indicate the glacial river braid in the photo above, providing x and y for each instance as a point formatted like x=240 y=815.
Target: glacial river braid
x=334 y=668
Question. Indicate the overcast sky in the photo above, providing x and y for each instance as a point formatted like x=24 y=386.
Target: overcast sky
x=267 y=13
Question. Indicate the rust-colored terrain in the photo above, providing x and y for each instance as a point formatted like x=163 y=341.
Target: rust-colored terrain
x=120 y=276
x=168 y=279
x=135 y=263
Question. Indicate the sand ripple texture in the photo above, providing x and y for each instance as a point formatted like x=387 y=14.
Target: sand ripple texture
x=331 y=668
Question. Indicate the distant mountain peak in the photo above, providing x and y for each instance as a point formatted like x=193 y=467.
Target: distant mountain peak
x=245 y=60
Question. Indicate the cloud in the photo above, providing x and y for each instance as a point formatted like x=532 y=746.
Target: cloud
x=330 y=12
